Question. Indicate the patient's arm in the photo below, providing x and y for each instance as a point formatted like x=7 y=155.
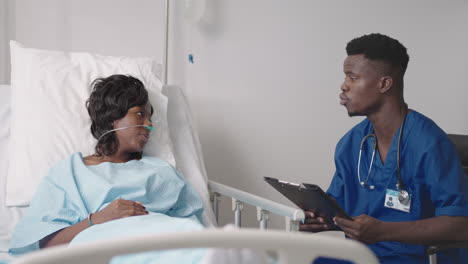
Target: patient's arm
x=117 y=209
x=422 y=232
x=63 y=236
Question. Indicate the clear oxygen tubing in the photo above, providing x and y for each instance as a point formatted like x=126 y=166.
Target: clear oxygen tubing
x=150 y=128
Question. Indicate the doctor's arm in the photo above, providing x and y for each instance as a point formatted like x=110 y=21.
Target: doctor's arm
x=429 y=231
x=313 y=222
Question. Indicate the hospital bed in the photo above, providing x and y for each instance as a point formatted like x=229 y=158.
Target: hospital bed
x=180 y=147
x=287 y=247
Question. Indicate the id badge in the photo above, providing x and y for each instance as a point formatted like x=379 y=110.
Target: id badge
x=391 y=201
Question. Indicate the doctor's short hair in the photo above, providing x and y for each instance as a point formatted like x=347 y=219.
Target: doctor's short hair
x=110 y=99
x=380 y=47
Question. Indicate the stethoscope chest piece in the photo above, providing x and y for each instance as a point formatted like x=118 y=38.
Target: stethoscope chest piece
x=363 y=184
x=403 y=197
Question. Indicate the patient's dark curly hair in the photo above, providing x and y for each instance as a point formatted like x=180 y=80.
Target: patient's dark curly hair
x=110 y=100
x=380 y=48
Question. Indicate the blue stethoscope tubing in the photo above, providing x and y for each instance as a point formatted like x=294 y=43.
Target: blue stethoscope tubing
x=403 y=195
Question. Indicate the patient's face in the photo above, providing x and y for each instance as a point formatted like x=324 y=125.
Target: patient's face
x=135 y=138
x=360 y=88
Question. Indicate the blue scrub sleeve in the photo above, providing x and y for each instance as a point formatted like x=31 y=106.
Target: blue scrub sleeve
x=336 y=189
x=447 y=183
x=343 y=168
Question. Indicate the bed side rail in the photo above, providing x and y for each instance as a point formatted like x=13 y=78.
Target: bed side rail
x=297 y=247
x=293 y=216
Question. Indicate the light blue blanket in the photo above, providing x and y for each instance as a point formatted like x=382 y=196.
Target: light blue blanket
x=154 y=223
x=72 y=190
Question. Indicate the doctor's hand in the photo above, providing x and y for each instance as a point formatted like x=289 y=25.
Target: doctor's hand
x=364 y=228
x=118 y=209
x=314 y=222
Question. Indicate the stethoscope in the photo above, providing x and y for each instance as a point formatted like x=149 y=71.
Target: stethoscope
x=403 y=196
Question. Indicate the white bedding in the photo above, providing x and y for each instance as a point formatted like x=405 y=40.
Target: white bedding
x=180 y=131
x=189 y=161
x=188 y=158
x=8 y=216
x=48 y=95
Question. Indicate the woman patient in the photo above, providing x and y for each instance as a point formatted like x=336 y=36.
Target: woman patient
x=98 y=196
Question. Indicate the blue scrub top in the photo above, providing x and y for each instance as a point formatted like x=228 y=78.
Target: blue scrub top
x=431 y=172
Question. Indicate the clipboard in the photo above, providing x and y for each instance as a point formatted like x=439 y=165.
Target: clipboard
x=309 y=197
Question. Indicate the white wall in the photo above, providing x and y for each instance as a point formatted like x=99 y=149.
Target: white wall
x=109 y=27
x=264 y=86
x=6 y=33
x=3 y=59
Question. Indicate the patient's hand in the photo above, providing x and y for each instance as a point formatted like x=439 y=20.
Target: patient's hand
x=314 y=222
x=118 y=209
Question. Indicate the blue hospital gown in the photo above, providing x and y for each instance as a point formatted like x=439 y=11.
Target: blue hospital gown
x=431 y=171
x=72 y=190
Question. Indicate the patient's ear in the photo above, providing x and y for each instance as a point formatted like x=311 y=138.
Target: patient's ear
x=116 y=123
x=386 y=84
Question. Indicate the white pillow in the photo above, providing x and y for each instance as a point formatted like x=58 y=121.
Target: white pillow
x=8 y=215
x=49 y=118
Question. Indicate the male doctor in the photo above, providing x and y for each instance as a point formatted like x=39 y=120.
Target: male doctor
x=397 y=172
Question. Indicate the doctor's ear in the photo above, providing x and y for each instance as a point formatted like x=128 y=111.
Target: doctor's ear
x=386 y=83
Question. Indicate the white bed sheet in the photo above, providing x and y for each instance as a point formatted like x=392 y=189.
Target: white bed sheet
x=189 y=159
x=8 y=216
